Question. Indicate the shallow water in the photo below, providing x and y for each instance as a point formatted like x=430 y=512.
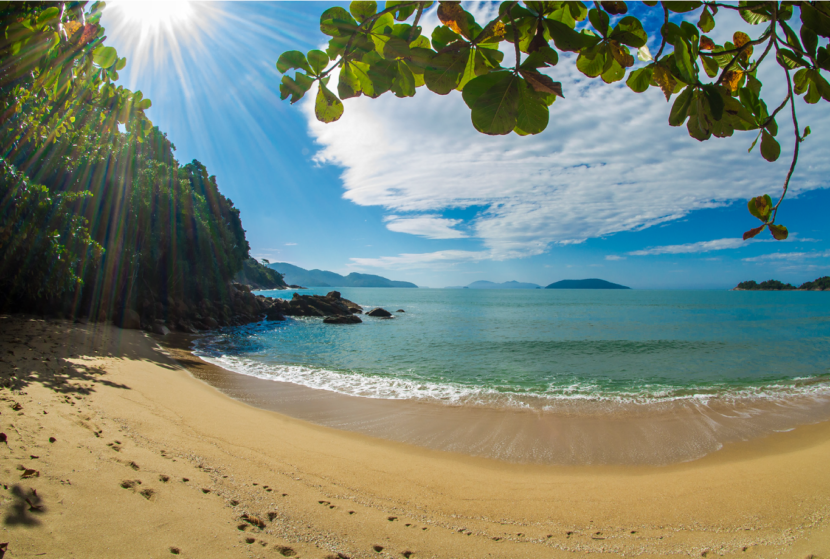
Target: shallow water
x=565 y=377
x=544 y=348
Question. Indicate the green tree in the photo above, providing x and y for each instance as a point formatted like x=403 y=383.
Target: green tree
x=715 y=87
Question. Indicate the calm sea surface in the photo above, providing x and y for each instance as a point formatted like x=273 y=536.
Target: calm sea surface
x=537 y=348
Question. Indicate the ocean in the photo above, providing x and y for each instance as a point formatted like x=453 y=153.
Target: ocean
x=547 y=349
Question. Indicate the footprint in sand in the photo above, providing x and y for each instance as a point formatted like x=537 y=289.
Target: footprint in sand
x=407 y=553
x=377 y=548
x=175 y=550
x=164 y=478
x=147 y=494
x=286 y=551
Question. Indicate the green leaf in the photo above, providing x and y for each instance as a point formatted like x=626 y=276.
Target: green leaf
x=144 y=104
x=532 y=112
x=713 y=95
x=318 y=60
x=362 y=10
x=442 y=36
x=443 y=74
x=680 y=108
x=823 y=58
x=122 y=62
x=809 y=39
x=403 y=84
x=790 y=60
x=710 y=66
x=639 y=80
x=682 y=7
x=494 y=111
x=592 y=61
x=295 y=88
x=327 y=107
x=541 y=58
x=599 y=19
x=754 y=12
x=361 y=72
x=682 y=53
x=706 y=22
x=47 y=15
x=293 y=59
x=778 y=231
x=337 y=22
x=821 y=84
x=613 y=73
x=348 y=84
x=760 y=207
x=815 y=20
x=629 y=31
x=770 y=148
x=478 y=86
x=403 y=13
x=104 y=56
x=566 y=39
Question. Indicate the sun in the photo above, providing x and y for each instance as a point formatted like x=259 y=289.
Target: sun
x=155 y=16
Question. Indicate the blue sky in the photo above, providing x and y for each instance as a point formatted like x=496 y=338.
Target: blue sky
x=407 y=189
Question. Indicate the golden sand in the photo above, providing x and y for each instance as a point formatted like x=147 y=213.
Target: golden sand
x=148 y=461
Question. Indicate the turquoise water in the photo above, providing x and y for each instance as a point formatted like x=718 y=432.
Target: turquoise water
x=537 y=348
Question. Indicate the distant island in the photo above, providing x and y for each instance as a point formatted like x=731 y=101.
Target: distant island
x=295 y=275
x=820 y=284
x=481 y=284
x=592 y=283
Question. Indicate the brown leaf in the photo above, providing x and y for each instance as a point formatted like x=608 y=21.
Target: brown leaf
x=90 y=31
x=740 y=39
x=706 y=43
x=752 y=232
x=453 y=16
x=542 y=83
x=29 y=473
x=621 y=54
x=664 y=79
x=256 y=521
x=732 y=78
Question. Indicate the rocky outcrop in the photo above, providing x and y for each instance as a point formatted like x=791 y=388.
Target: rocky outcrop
x=379 y=313
x=350 y=319
x=400 y=310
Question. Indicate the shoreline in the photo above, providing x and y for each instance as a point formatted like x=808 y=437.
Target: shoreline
x=575 y=433
x=319 y=492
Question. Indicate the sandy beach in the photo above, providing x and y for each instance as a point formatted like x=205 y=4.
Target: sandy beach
x=115 y=449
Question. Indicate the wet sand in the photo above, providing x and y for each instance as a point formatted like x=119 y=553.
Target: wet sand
x=576 y=433
x=220 y=478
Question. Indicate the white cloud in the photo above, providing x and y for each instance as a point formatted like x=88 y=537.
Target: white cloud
x=614 y=257
x=430 y=259
x=429 y=226
x=290 y=244
x=689 y=248
x=779 y=256
x=607 y=163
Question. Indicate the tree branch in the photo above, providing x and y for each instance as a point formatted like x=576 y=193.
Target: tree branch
x=515 y=38
x=795 y=150
x=665 y=21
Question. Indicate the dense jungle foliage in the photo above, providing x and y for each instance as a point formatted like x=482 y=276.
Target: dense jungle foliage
x=96 y=214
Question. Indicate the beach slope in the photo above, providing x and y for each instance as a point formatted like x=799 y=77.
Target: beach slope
x=113 y=449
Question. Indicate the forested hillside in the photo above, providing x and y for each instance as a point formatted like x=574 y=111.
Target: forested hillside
x=97 y=217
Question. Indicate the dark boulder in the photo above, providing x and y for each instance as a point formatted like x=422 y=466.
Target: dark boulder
x=333 y=295
x=131 y=320
x=347 y=319
x=379 y=313
x=400 y=310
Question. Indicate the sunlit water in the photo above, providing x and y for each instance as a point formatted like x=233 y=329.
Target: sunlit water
x=548 y=349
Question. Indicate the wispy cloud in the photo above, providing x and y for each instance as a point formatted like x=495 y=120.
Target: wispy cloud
x=788 y=256
x=429 y=259
x=429 y=226
x=689 y=248
x=290 y=244
x=614 y=257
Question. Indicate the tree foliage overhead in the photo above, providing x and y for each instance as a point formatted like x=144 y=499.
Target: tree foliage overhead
x=713 y=88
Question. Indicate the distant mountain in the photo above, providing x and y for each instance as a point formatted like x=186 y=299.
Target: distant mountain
x=481 y=284
x=586 y=284
x=294 y=275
